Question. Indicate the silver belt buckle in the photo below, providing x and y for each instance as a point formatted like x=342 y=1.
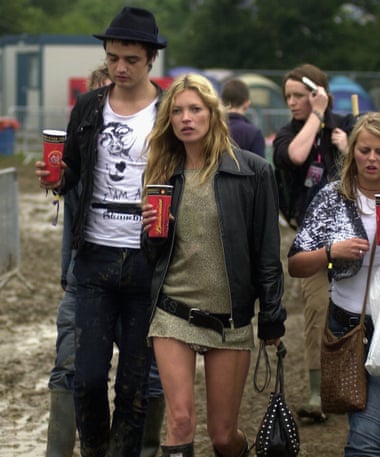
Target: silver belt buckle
x=191 y=317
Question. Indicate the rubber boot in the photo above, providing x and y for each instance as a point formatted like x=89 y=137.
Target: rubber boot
x=243 y=453
x=313 y=409
x=182 y=450
x=62 y=425
x=152 y=433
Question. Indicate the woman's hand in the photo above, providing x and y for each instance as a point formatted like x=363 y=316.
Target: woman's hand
x=149 y=215
x=339 y=139
x=275 y=342
x=319 y=100
x=352 y=249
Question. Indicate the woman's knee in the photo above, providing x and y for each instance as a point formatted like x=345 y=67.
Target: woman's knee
x=181 y=426
x=221 y=435
x=230 y=442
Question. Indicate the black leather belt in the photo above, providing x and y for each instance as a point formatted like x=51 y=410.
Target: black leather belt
x=345 y=317
x=123 y=208
x=195 y=316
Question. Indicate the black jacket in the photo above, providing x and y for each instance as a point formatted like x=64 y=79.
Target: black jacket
x=247 y=206
x=323 y=147
x=245 y=134
x=80 y=152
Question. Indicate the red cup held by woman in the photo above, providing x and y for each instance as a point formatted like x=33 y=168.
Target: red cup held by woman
x=53 y=142
x=160 y=197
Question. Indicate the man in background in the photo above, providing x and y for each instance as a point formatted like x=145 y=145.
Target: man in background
x=236 y=99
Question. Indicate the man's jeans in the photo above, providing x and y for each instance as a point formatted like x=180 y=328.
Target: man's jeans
x=364 y=426
x=112 y=283
x=62 y=374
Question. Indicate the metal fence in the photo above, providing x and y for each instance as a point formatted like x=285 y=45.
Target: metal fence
x=9 y=227
x=269 y=120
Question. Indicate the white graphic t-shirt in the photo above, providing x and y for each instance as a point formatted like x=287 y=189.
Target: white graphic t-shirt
x=118 y=177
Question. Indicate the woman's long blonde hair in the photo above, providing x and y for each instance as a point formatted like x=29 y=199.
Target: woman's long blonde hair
x=166 y=152
x=370 y=122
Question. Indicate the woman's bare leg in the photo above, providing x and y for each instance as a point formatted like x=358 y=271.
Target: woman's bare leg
x=226 y=374
x=176 y=364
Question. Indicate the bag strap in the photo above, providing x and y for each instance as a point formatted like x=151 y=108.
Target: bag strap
x=279 y=385
x=373 y=249
x=268 y=372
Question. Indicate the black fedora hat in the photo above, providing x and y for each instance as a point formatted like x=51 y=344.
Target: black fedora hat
x=134 y=24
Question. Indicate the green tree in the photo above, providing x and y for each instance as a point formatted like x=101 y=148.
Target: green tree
x=238 y=34
x=13 y=15
x=217 y=34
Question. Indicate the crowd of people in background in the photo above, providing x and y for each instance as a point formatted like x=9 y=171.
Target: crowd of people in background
x=165 y=302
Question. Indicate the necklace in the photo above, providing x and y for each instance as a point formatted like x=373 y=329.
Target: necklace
x=366 y=191
x=369 y=193
x=374 y=191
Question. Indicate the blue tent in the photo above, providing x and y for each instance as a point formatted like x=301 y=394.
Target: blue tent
x=342 y=88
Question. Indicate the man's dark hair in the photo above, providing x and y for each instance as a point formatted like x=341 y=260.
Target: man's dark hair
x=234 y=93
x=151 y=51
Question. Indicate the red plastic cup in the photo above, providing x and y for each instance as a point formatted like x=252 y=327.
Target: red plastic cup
x=160 y=196
x=377 y=198
x=53 y=141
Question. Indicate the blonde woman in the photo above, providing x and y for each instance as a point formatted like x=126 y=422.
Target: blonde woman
x=339 y=228
x=222 y=253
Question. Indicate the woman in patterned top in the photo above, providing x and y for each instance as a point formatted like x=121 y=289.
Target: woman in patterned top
x=338 y=230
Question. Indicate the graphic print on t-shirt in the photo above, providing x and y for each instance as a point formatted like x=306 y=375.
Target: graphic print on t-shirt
x=116 y=141
x=121 y=160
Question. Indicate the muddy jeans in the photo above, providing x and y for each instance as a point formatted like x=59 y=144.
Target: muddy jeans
x=112 y=283
x=62 y=374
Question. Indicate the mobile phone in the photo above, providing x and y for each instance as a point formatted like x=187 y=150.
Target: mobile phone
x=309 y=83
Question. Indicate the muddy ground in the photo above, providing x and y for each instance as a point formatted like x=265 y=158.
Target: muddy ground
x=27 y=342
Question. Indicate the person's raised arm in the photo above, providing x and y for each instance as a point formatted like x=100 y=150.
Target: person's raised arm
x=300 y=147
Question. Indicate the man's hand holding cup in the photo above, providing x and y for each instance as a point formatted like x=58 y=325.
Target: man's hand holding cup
x=50 y=169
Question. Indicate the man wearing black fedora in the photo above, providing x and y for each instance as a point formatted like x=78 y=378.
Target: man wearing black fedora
x=106 y=150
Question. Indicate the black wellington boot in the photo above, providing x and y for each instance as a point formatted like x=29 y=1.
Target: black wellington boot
x=182 y=450
x=244 y=452
x=154 y=419
x=62 y=425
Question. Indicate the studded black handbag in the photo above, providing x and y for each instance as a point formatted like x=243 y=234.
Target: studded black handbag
x=278 y=432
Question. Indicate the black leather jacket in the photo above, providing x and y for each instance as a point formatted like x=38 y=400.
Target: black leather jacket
x=80 y=152
x=247 y=205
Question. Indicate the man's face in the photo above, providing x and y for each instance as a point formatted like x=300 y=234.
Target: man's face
x=127 y=64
